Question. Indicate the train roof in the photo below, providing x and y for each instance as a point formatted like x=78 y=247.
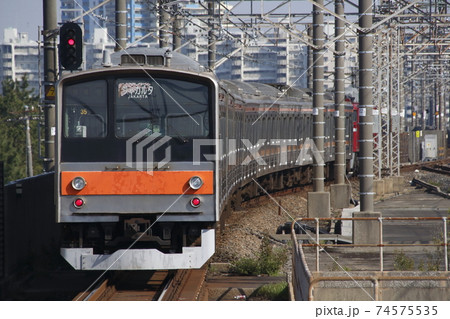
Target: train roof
x=157 y=57
x=250 y=88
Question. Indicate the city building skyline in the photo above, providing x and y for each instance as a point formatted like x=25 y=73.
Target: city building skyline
x=275 y=58
x=19 y=57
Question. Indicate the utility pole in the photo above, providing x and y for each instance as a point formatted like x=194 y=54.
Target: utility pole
x=28 y=142
x=340 y=192
x=318 y=200
x=50 y=75
x=121 y=25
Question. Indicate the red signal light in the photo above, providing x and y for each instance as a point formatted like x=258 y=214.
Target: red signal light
x=71 y=46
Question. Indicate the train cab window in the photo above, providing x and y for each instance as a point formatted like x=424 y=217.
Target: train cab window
x=85 y=109
x=166 y=106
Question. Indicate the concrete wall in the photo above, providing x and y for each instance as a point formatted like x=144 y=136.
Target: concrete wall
x=386 y=286
x=301 y=275
x=365 y=285
x=31 y=232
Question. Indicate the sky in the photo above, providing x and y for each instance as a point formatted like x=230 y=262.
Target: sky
x=24 y=15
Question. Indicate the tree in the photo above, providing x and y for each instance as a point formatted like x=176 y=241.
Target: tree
x=16 y=94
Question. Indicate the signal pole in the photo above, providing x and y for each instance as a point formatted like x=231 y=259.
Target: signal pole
x=50 y=71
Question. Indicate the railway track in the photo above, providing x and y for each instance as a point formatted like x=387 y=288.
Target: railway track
x=430 y=187
x=420 y=165
x=129 y=286
x=148 y=286
x=186 y=285
x=439 y=169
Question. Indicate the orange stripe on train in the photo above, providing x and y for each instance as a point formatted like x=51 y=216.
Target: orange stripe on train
x=137 y=183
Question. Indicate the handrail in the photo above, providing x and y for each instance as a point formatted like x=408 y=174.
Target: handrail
x=380 y=244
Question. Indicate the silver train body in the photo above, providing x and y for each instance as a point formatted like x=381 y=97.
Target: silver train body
x=149 y=152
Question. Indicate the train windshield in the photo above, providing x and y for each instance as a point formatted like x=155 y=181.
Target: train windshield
x=85 y=109
x=161 y=105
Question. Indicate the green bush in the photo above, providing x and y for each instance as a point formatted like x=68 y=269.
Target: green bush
x=277 y=292
x=246 y=266
x=403 y=262
x=269 y=261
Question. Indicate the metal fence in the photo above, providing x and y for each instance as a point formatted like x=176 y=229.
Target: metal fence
x=381 y=245
x=306 y=280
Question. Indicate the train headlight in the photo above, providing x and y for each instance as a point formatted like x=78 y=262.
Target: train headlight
x=78 y=183
x=195 y=182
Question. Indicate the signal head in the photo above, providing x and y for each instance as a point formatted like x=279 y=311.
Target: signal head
x=70 y=46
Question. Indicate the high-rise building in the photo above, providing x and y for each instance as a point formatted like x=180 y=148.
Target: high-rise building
x=94 y=49
x=19 y=57
x=245 y=55
x=141 y=18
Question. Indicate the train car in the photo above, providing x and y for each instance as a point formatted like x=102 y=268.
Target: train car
x=129 y=195
x=273 y=122
x=151 y=150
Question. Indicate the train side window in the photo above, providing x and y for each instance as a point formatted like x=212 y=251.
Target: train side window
x=84 y=109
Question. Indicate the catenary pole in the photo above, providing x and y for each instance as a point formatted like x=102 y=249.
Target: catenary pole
x=177 y=27
x=50 y=75
x=366 y=105
x=339 y=95
x=164 y=18
x=318 y=95
x=121 y=25
x=211 y=36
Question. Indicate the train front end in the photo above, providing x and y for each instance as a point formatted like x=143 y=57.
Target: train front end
x=133 y=190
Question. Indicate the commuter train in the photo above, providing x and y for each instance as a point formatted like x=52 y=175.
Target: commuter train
x=151 y=148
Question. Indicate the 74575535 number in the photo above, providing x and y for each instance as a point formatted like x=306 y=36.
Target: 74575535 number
x=407 y=310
